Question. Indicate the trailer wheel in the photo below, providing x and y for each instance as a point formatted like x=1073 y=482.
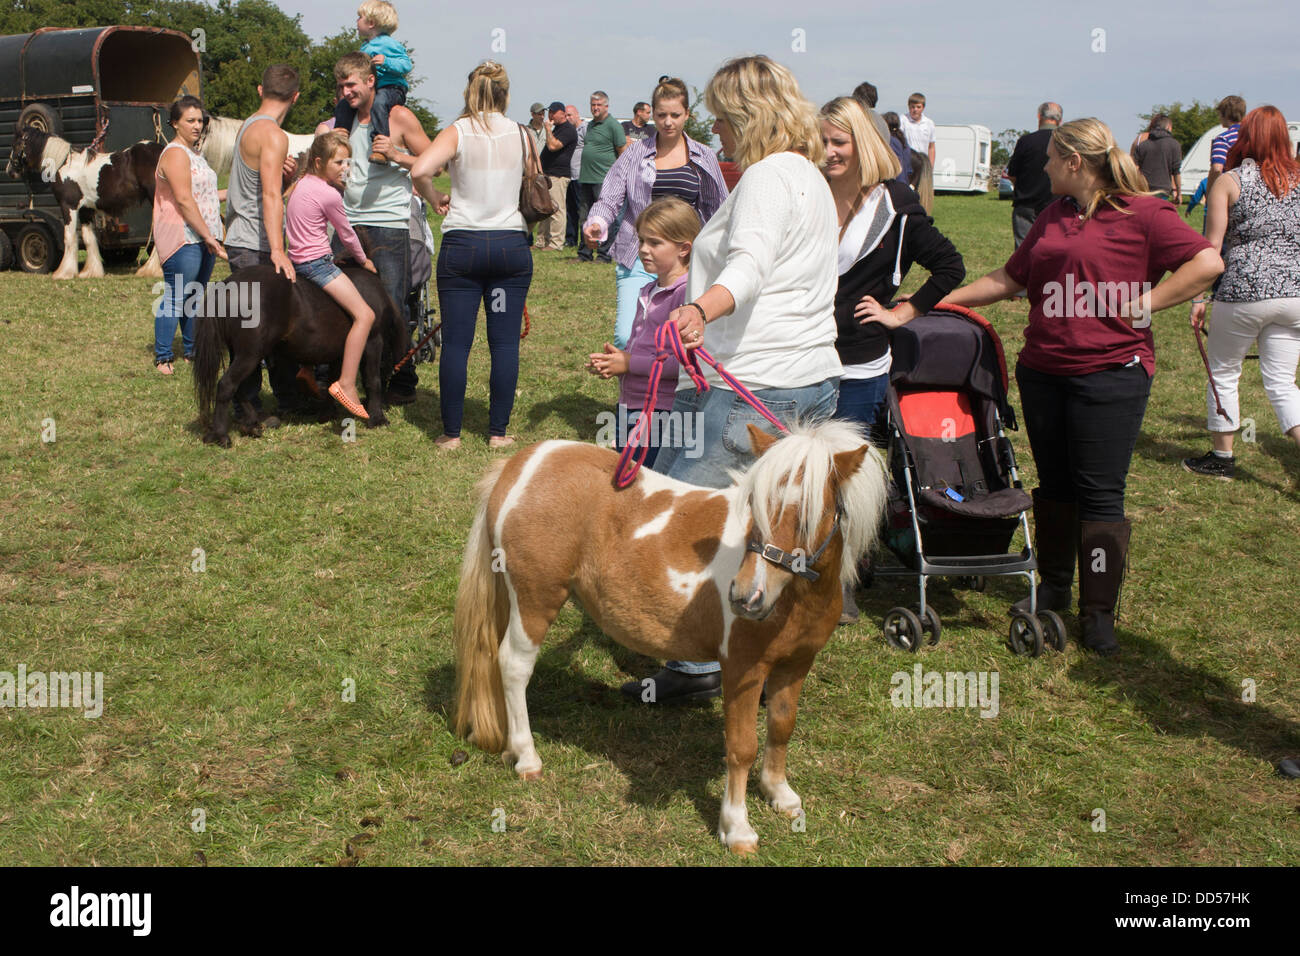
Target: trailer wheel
x=36 y=249
x=41 y=117
x=6 y=252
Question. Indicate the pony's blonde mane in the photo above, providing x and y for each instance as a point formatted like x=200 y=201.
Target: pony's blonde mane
x=806 y=455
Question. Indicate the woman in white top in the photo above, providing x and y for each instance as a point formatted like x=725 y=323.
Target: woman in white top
x=485 y=255
x=760 y=296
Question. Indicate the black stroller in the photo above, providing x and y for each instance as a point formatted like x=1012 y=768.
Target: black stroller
x=419 y=308
x=956 y=499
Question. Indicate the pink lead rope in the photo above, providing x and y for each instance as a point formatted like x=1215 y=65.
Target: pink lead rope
x=666 y=338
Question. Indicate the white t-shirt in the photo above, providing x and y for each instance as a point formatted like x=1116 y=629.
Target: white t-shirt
x=772 y=245
x=485 y=175
x=919 y=135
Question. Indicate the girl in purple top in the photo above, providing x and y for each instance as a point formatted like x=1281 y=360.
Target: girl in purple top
x=317 y=201
x=667 y=228
x=669 y=163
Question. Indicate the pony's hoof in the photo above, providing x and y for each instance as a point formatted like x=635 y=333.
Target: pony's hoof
x=744 y=849
x=376 y=420
x=212 y=438
x=529 y=774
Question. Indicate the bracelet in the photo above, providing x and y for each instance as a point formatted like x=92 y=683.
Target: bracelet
x=1198 y=302
x=700 y=309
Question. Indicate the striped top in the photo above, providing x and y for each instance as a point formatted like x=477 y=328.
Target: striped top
x=630 y=185
x=1222 y=143
x=682 y=182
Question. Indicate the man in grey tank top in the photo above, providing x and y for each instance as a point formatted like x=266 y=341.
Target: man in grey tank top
x=377 y=198
x=255 y=212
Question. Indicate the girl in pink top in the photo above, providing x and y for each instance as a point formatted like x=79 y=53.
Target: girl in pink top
x=317 y=202
x=667 y=228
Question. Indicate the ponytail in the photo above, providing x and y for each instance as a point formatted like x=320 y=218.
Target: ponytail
x=1091 y=139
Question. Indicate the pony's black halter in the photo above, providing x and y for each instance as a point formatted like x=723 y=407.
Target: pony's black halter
x=795 y=563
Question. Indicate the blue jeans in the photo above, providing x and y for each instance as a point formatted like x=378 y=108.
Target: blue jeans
x=860 y=401
x=494 y=267
x=719 y=417
x=390 y=251
x=190 y=263
x=628 y=283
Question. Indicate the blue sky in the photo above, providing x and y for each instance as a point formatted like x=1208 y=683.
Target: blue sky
x=988 y=63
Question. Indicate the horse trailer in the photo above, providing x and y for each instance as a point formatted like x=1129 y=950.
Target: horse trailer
x=961 y=158
x=1196 y=164
x=106 y=86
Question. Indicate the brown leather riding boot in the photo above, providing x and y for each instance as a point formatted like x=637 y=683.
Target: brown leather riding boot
x=1103 y=556
x=1055 y=539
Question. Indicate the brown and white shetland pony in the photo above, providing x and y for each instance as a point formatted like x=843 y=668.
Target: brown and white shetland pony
x=81 y=179
x=750 y=575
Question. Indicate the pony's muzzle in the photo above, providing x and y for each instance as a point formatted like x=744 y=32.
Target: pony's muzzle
x=755 y=606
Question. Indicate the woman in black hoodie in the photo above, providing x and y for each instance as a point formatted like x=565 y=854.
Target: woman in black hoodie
x=883 y=230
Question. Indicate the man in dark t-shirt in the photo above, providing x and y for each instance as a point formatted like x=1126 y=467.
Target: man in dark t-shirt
x=639 y=126
x=1025 y=170
x=561 y=138
x=1159 y=157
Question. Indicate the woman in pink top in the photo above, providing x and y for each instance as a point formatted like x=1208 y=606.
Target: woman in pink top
x=317 y=202
x=186 y=227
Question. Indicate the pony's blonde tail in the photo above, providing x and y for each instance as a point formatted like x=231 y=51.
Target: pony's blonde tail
x=480 y=710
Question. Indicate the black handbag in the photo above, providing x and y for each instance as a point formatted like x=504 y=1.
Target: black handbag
x=535 y=202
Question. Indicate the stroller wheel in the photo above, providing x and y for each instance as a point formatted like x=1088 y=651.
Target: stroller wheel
x=1026 y=633
x=903 y=629
x=930 y=624
x=1053 y=629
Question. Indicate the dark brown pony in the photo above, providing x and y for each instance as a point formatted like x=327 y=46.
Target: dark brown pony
x=81 y=179
x=258 y=312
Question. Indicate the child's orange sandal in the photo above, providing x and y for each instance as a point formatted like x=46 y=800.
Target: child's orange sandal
x=337 y=393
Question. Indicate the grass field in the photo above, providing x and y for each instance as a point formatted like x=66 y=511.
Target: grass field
x=325 y=562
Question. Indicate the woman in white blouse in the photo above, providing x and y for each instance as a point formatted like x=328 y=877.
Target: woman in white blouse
x=485 y=255
x=760 y=296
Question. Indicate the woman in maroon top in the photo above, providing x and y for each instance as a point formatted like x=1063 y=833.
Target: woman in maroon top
x=1092 y=265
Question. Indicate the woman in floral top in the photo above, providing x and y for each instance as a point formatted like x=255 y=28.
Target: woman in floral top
x=186 y=227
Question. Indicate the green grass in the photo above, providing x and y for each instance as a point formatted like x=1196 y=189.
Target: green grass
x=328 y=561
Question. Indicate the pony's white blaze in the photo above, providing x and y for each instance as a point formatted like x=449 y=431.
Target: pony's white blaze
x=654 y=526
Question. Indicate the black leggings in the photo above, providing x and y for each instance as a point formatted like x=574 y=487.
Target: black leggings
x=1082 y=430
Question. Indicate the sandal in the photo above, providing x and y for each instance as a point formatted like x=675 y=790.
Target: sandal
x=500 y=441
x=447 y=442
x=337 y=393
x=165 y=368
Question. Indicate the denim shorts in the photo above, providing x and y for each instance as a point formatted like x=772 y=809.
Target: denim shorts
x=321 y=271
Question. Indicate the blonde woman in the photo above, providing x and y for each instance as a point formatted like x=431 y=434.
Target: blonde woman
x=883 y=229
x=760 y=295
x=1092 y=264
x=485 y=255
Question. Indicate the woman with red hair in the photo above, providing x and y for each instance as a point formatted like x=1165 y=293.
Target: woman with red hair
x=1253 y=216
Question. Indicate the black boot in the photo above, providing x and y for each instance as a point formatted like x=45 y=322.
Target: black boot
x=1103 y=555
x=1056 y=539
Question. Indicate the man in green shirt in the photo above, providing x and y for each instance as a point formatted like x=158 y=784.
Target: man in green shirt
x=604 y=142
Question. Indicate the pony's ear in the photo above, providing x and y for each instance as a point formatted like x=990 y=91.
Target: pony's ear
x=760 y=440
x=847 y=463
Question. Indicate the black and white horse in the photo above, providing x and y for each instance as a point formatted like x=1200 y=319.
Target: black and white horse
x=80 y=179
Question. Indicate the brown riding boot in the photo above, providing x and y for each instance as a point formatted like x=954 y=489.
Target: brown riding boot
x=1055 y=539
x=1103 y=557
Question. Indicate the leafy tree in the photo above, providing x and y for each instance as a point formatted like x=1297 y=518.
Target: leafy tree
x=699 y=126
x=1004 y=143
x=1190 y=122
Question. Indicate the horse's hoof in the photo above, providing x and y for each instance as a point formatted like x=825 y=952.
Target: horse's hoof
x=376 y=420
x=212 y=438
x=529 y=775
x=743 y=849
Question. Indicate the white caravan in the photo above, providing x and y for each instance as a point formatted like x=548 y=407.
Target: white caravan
x=1196 y=164
x=961 y=158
